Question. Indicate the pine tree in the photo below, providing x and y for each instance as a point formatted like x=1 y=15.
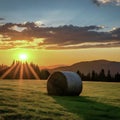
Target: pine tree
x=109 y=77
x=102 y=76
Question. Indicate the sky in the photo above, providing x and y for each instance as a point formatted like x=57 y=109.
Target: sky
x=52 y=32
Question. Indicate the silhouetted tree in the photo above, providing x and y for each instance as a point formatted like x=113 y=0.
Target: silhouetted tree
x=79 y=73
x=44 y=74
x=37 y=70
x=117 y=77
x=94 y=76
x=3 y=69
x=109 y=77
x=82 y=76
x=102 y=76
x=88 y=77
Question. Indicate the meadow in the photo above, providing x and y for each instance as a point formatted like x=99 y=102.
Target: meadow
x=28 y=100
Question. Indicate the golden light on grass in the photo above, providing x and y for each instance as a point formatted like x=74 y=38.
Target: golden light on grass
x=23 y=57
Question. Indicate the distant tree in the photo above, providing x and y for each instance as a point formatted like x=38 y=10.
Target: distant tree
x=102 y=76
x=82 y=76
x=13 y=62
x=3 y=69
x=117 y=77
x=109 y=77
x=37 y=70
x=78 y=72
x=94 y=76
x=88 y=77
x=44 y=74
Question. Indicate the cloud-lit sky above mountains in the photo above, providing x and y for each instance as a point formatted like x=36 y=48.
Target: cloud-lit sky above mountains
x=59 y=24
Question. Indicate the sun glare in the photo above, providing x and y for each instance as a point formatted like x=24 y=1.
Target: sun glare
x=23 y=57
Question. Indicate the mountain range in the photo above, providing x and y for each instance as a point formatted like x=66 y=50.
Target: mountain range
x=89 y=66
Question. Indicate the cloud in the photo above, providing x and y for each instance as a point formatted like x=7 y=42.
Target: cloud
x=4 y=37
x=17 y=28
x=39 y=23
x=101 y=2
x=28 y=35
x=86 y=45
x=2 y=19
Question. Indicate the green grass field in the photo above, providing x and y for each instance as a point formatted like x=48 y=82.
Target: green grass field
x=28 y=100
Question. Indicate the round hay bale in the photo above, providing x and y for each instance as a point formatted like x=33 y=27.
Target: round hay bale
x=64 y=83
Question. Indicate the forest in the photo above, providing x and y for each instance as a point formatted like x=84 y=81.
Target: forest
x=101 y=76
x=23 y=70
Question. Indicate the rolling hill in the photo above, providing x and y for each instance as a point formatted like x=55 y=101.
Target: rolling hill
x=88 y=66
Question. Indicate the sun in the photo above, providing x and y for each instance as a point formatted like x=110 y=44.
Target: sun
x=23 y=57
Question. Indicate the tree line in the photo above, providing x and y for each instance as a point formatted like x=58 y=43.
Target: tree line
x=27 y=74
x=44 y=73
x=101 y=76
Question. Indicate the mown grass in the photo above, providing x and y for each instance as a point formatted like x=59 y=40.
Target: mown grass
x=28 y=100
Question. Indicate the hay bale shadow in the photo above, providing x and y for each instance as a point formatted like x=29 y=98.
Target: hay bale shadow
x=88 y=109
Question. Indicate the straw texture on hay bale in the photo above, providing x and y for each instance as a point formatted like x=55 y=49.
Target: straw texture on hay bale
x=64 y=83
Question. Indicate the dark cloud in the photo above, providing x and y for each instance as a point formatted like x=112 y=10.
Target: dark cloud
x=96 y=2
x=62 y=37
x=2 y=19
